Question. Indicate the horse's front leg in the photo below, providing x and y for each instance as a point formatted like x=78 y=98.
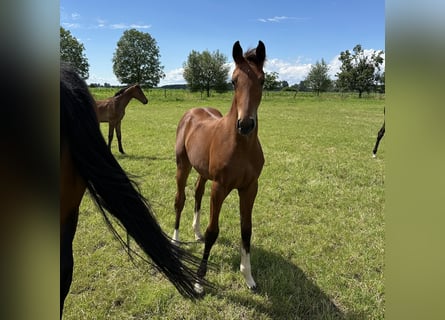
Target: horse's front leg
x=217 y=196
x=119 y=137
x=247 y=198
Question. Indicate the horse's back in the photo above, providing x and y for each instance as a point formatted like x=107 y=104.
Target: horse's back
x=201 y=114
x=103 y=109
x=197 y=121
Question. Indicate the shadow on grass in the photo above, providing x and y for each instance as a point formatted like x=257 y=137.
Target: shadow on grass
x=120 y=156
x=286 y=291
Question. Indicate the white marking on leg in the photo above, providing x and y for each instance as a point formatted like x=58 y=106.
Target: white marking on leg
x=246 y=269
x=196 y=226
x=198 y=288
x=175 y=235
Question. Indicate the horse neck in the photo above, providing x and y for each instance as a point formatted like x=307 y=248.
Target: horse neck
x=124 y=98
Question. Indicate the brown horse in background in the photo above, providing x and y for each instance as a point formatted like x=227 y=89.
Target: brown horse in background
x=112 y=110
x=86 y=162
x=226 y=150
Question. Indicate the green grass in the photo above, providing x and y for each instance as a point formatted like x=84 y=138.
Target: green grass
x=318 y=220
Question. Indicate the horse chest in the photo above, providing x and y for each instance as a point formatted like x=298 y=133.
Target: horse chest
x=236 y=168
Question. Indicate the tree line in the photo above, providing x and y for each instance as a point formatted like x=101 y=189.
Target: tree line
x=137 y=60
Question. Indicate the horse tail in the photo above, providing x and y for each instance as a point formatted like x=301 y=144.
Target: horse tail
x=113 y=191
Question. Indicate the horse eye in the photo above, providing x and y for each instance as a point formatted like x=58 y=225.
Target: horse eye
x=234 y=83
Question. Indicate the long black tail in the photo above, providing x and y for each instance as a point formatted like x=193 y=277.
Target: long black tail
x=113 y=191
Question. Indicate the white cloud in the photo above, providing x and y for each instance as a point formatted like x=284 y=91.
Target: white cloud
x=101 y=23
x=335 y=63
x=75 y=16
x=94 y=78
x=118 y=26
x=126 y=26
x=69 y=25
x=140 y=26
x=278 y=19
x=334 y=67
x=291 y=71
x=173 y=77
x=274 y=19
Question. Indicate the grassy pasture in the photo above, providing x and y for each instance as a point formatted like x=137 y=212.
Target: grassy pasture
x=318 y=220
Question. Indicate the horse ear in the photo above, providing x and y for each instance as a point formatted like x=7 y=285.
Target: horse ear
x=261 y=52
x=237 y=52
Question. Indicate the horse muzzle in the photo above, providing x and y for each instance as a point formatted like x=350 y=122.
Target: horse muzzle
x=245 y=126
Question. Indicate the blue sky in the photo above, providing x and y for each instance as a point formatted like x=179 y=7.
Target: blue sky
x=296 y=33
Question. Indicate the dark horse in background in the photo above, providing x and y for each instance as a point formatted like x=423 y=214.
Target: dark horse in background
x=112 y=110
x=87 y=163
x=226 y=150
x=380 y=135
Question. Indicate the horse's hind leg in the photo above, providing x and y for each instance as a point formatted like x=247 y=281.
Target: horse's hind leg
x=379 y=137
x=199 y=191
x=247 y=198
x=182 y=172
x=119 y=137
x=66 y=256
x=110 y=134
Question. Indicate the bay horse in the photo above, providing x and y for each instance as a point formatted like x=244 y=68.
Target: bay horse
x=227 y=151
x=112 y=110
x=380 y=135
x=87 y=163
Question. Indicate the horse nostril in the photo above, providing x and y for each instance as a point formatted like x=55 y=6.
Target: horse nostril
x=245 y=126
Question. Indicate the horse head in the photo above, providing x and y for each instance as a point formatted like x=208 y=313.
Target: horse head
x=139 y=94
x=248 y=80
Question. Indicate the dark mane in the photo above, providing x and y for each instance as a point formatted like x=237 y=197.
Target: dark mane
x=251 y=56
x=121 y=91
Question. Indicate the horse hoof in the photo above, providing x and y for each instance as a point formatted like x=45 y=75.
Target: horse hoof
x=199 y=289
x=200 y=239
x=254 y=289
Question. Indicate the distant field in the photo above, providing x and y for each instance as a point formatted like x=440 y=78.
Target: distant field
x=318 y=220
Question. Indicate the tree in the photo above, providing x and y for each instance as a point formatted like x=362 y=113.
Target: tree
x=380 y=79
x=72 y=52
x=271 y=81
x=205 y=71
x=283 y=84
x=359 y=71
x=136 y=59
x=303 y=86
x=318 y=78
